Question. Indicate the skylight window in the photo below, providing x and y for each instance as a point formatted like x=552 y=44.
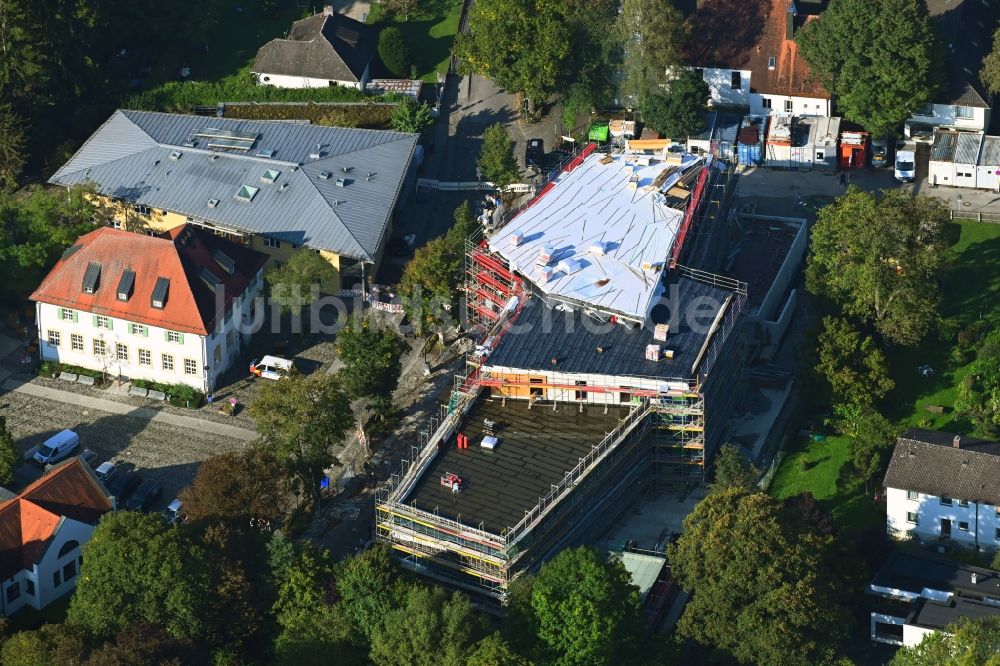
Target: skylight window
x=175 y=155
x=213 y=203
x=270 y=176
x=247 y=193
x=325 y=175
x=265 y=152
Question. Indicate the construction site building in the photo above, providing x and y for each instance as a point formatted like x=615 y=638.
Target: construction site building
x=608 y=362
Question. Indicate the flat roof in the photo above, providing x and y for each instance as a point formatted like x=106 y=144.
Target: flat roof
x=967 y=151
x=536 y=448
x=643 y=569
x=594 y=203
x=938 y=615
x=943 y=148
x=542 y=333
x=990 y=156
x=914 y=573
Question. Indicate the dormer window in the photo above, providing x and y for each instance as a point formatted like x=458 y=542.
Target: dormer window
x=160 y=291
x=772 y=62
x=126 y=284
x=92 y=278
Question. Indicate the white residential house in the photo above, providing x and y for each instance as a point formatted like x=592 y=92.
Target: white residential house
x=175 y=309
x=963 y=103
x=764 y=72
x=41 y=532
x=327 y=49
x=944 y=489
x=917 y=594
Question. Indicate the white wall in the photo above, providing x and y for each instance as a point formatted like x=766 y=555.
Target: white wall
x=41 y=574
x=944 y=115
x=285 y=81
x=801 y=106
x=930 y=512
x=965 y=175
x=941 y=173
x=720 y=83
x=200 y=349
x=912 y=634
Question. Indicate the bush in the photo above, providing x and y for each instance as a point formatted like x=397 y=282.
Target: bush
x=366 y=115
x=183 y=96
x=53 y=368
x=178 y=395
x=972 y=333
x=394 y=52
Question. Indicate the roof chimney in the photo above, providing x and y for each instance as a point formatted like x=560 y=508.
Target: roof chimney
x=957 y=442
x=790 y=20
x=327 y=10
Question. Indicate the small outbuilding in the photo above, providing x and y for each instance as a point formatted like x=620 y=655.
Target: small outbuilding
x=701 y=143
x=822 y=141
x=941 y=166
x=966 y=158
x=988 y=166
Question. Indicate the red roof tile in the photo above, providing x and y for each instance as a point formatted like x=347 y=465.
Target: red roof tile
x=746 y=34
x=28 y=521
x=179 y=257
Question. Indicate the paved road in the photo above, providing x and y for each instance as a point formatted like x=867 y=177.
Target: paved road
x=124 y=409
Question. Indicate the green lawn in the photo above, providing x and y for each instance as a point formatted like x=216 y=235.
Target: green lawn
x=971 y=288
x=429 y=32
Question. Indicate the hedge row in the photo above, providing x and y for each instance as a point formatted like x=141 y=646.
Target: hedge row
x=368 y=115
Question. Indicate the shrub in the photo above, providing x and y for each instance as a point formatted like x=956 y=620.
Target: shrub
x=366 y=115
x=393 y=51
x=972 y=333
x=178 y=395
x=53 y=368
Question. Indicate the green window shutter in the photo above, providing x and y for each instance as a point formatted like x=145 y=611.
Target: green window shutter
x=95 y=320
x=180 y=338
x=76 y=316
x=59 y=313
x=145 y=331
x=111 y=324
x=166 y=336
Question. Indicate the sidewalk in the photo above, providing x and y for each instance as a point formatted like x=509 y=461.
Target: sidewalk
x=141 y=413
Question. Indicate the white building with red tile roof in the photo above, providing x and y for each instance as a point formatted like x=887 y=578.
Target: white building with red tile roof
x=175 y=309
x=41 y=532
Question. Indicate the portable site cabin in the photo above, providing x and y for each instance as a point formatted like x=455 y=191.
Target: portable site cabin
x=727 y=128
x=853 y=150
x=750 y=141
x=941 y=167
x=787 y=144
x=988 y=167
x=701 y=143
x=822 y=141
x=966 y=157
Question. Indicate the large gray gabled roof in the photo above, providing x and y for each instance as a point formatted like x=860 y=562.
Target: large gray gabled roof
x=141 y=157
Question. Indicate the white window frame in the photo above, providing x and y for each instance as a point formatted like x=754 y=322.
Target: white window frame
x=74 y=339
x=765 y=102
x=167 y=362
x=272 y=243
x=137 y=329
x=148 y=358
x=190 y=367
x=912 y=518
x=789 y=107
x=173 y=336
x=912 y=495
x=121 y=351
x=54 y=338
x=100 y=347
x=67 y=314
x=102 y=322
x=965 y=112
x=947 y=501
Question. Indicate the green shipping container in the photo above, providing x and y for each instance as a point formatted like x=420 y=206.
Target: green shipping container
x=598 y=132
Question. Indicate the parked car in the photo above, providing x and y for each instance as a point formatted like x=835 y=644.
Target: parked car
x=173 y=512
x=534 y=152
x=880 y=153
x=906 y=169
x=270 y=367
x=57 y=447
x=106 y=471
x=145 y=494
x=123 y=483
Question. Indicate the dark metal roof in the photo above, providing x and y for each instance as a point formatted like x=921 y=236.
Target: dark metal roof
x=966 y=30
x=91 y=277
x=333 y=47
x=967 y=150
x=706 y=133
x=938 y=615
x=128 y=158
x=126 y=284
x=927 y=462
x=990 y=155
x=943 y=148
x=913 y=572
x=542 y=333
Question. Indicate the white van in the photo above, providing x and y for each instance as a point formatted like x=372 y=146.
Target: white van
x=57 y=447
x=270 y=367
x=906 y=166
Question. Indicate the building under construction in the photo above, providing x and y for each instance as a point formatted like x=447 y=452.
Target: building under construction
x=610 y=358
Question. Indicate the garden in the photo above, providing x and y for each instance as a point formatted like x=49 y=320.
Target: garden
x=927 y=376
x=427 y=32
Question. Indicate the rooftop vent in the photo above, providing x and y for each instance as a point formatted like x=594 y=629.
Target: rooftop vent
x=214 y=157
x=125 y=284
x=247 y=193
x=347 y=169
x=341 y=182
x=175 y=154
x=317 y=153
x=223 y=139
x=225 y=261
x=160 y=291
x=209 y=279
x=325 y=175
x=213 y=203
x=599 y=248
x=190 y=144
x=270 y=176
x=568 y=266
x=156 y=162
x=92 y=277
x=265 y=152
x=284 y=186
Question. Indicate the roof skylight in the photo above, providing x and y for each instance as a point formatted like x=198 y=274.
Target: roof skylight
x=247 y=193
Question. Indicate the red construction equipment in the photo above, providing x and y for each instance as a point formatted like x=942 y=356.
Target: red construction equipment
x=453 y=481
x=853 y=150
x=693 y=202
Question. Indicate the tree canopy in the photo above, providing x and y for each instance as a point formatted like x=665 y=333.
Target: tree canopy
x=292 y=284
x=733 y=470
x=679 y=112
x=9 y=455
x=756 y=572
x=409 y=116
x=300 y=419
x=372 y=356
x=967 y=642
x=979 y=392
x=879 y=256
x=856 y=369
x=650 y=33
x=496 y=157
x=394 y=51
x=581 y=609
x=428 y=283
x=236 y=485
x=136 y=568
x=12 y=147
x=898 y=69
x=990 y=72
